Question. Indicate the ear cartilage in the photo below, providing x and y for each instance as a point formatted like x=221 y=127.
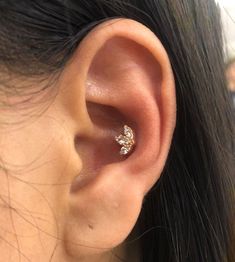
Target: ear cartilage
x=126 y=140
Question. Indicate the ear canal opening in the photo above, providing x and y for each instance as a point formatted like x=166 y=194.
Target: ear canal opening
x=104 y=116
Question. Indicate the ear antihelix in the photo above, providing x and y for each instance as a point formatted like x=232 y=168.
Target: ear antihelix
x=126 y=140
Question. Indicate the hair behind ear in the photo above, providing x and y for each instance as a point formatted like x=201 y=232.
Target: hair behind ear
x=191 y=209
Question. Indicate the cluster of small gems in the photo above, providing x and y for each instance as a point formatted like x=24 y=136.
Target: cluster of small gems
x=126 y=140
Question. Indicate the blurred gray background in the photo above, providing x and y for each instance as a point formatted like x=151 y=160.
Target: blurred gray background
x=228 y=16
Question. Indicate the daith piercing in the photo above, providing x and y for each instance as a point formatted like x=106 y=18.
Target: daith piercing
x=126 y=140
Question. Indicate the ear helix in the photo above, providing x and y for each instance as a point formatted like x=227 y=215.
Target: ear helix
x=126 y=140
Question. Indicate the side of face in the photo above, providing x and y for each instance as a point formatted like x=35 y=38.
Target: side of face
x=70 y=191
x=230 y=74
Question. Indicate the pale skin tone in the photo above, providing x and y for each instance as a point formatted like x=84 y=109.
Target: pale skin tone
x=72 y=196
x=230 y=74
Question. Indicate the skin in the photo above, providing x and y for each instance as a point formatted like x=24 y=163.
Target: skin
x=230 y=74
x=66 y=193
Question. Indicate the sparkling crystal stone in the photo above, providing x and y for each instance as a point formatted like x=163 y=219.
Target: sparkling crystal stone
x=126 y=140
x=123 y=140
x=124 y=151
x=128 y=132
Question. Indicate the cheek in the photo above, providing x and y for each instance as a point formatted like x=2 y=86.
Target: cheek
x=40 y=168
x=101 y=216
x=36 y=151
x=233 y=73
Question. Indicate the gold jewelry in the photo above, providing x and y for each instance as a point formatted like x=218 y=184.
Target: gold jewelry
x=126 y=140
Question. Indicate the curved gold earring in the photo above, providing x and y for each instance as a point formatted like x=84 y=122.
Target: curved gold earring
x=126 y=140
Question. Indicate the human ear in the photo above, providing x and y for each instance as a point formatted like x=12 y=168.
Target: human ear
x=125 y=76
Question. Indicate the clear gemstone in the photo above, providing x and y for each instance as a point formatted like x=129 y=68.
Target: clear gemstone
x=124 y=151
x=123 y=140
x=128 y=132
x=126 y=140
